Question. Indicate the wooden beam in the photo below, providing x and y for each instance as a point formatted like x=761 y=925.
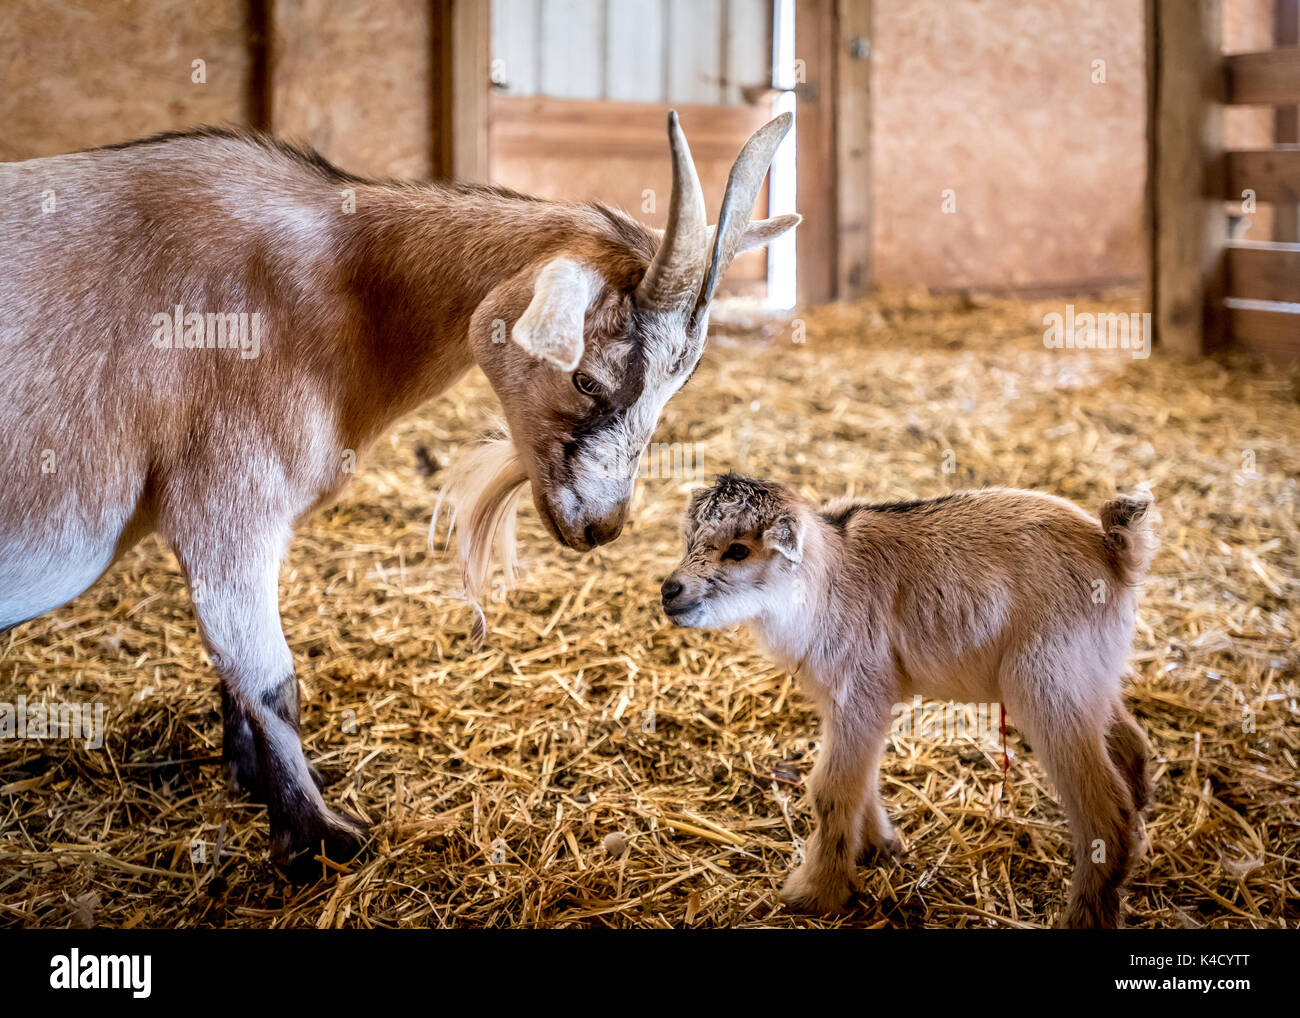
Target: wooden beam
x=1286 y=119
x=1186 y=227
x=1274 y=334
x=1264 y=271
x=258 y=21
x=1270 y=78
x=854 y=194
x=817 y=195
x=1272 y=174
x=471 y=80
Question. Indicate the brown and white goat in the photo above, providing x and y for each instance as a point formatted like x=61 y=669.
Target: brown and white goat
x=994 y=595
x=130 y=406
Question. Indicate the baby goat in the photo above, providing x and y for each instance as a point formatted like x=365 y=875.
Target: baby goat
x=1005 y=595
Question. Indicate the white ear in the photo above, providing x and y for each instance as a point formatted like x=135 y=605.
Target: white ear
x=764 y=231
x=785 y=536
x=759 y=231
x=551 y=328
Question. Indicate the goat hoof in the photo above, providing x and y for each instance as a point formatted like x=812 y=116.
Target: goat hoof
x=245 y=779
x=1079 y=918
x=809 y=895
x=891 y=850
x=296 y=852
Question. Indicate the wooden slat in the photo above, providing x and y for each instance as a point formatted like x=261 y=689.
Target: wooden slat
x=748 y=44
x=855 y=194
x=470 y=30
x=1273 y=174
x=1272 y=334
x=694 y=51
x=815 y=155
x=634 y=51
x=572 y=52
x=1184 y=144
x=515 y=44
x=617 y=152
x=1270 y=78
x=1264 y=271
x=1286 y=119
x=535 y=126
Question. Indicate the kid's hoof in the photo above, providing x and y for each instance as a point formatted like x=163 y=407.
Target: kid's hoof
x=340 y=839
x=1100 y=917
x=803 y=894
x=888 y=851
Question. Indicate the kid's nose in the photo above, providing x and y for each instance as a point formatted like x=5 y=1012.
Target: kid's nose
x=670 y=590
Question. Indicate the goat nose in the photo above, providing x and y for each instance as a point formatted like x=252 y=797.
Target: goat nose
x=670 y=590
x=604 y=531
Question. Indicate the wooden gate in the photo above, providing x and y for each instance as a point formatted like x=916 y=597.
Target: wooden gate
x=1208 y=291
x=581 y=90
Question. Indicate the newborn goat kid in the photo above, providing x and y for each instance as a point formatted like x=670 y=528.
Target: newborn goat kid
x=1004 y=595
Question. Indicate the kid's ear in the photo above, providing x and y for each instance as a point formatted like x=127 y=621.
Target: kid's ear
x=785 y=536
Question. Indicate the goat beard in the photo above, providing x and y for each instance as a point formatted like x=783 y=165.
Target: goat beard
x=482 y=492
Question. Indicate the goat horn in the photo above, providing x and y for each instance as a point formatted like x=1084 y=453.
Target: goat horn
x=673 y=277
x=743 y=184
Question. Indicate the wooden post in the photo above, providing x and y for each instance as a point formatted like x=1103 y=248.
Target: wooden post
x=1286 y=119
x=855 y=194
x=466 y=48
x=1186 y=223
x=817 y=194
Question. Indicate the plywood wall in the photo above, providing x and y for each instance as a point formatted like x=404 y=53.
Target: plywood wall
x=994 y=102
x=77 y=74
x=351 y=77
x=354 y=80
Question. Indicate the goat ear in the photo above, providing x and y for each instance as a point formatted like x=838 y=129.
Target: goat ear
x=551 y=327
x=763 y=231
x=786 y=537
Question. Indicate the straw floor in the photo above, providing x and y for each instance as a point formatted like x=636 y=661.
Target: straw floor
x=591 y=766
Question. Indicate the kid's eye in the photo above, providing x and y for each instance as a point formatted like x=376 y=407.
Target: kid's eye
x=736 y=552
x=587 y=385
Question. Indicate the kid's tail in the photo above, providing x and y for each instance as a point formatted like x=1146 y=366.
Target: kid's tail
x=1129 y=525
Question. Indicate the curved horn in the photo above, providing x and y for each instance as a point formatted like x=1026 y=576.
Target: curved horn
x=673 y=278
x=743 y=184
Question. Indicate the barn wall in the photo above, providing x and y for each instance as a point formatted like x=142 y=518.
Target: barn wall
x=995 y=101
x=1248 y=27
x=353 y=78
x=77 y=74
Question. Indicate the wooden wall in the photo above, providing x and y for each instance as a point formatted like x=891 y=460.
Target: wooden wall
x=351 y=77
x=645 y=51
x=355 y=79
x=995 y=102
x=77 y=74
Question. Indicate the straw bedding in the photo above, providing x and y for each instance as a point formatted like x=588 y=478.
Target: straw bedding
x=590 y=766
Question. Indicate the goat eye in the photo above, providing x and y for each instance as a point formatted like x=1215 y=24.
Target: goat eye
x=736 y=552
x=587 y=385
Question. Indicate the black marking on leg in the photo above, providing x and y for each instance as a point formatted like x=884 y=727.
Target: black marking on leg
x=301 y=823
x=283 y=701
x=239 y=750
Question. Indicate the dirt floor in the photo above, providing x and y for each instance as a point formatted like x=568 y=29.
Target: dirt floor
x=496 y=778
